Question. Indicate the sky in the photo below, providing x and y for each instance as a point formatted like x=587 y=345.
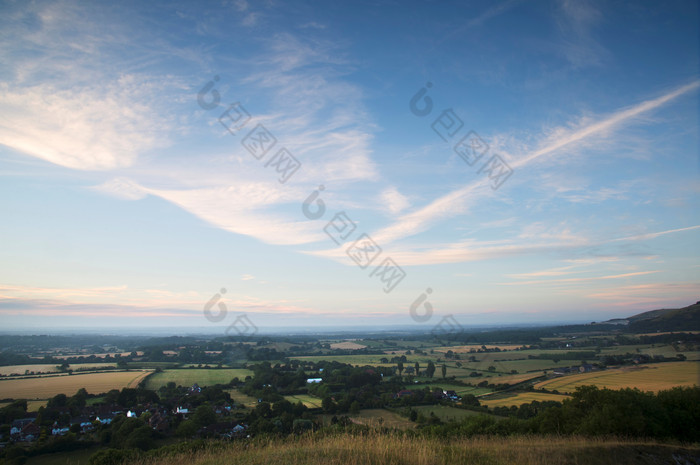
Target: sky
x=237 y=166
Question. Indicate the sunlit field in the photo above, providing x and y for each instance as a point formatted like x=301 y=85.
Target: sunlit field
x=652 y=377
x=501 y=400
x=201 y=376
x=307 y=400
x=44 y=388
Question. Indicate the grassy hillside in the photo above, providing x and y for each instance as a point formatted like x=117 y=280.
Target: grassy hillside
x=678 y=319
x=388 y=449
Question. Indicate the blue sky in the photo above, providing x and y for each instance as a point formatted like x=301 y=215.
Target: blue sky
x=548 y=171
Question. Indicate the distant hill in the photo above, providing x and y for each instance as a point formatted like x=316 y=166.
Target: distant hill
x=667 y=319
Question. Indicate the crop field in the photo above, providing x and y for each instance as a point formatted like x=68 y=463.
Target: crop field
x=240 y=398
x=514 y=379
x=408 y=344
x=201 y=376
x=347 y=345
x=522 y=366
x=32 y=405
x=26 y=369
x=361 y=360
x=519 y=399
x=44 y=388
x=459 y=389
x=20 y=370
x=307 y=400
x=653 y=377
x=445 y=413
x=381 y=417
x=474 y=347
x=658 y=349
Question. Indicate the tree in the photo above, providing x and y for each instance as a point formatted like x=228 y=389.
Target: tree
x=204 y=416
x=430 y=370
x=328 y=405
x=417 y=367
x=140 y=438
x=444 y=370
x=400 y=367
x=470 y=400
x=300 y=425
x=186 y=429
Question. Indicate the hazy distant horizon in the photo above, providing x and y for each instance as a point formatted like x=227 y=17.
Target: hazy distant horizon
x=369 y=327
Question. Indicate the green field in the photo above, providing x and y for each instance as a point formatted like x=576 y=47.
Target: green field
x=459 y=389
x=307 y=400
x=32 y=405
x=381 y=417
x=360 y=360
x=652 y=377
x=445 y=413
x=514 y=379
x=154 y=364
x=501 y=400
x=201 y=376
x=47 y=387
x=240 y=398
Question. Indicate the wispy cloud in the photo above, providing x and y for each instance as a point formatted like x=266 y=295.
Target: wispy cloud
x=577 y=20
x=578 y=280
x=564 y=137
x=654 y=235
x=458 y=201
x=393 y=201
x=96 y=128
x=240 y=208
x=72 y=99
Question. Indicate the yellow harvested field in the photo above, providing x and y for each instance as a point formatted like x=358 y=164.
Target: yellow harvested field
x=521 y=398
x=514 y=379
x=652 y=377
x=22 y=369
x=44 y=388
x=348 y=345
x=466 y=349
x=11 y=370
x=667 y=332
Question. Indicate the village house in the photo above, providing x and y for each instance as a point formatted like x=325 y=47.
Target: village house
x=25 y=430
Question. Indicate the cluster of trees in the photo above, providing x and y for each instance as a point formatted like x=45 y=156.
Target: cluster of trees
x=629 y=359
x=672 y=414
x=279 y=418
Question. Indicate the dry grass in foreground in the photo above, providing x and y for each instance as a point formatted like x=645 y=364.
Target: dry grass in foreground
x=388 y=449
